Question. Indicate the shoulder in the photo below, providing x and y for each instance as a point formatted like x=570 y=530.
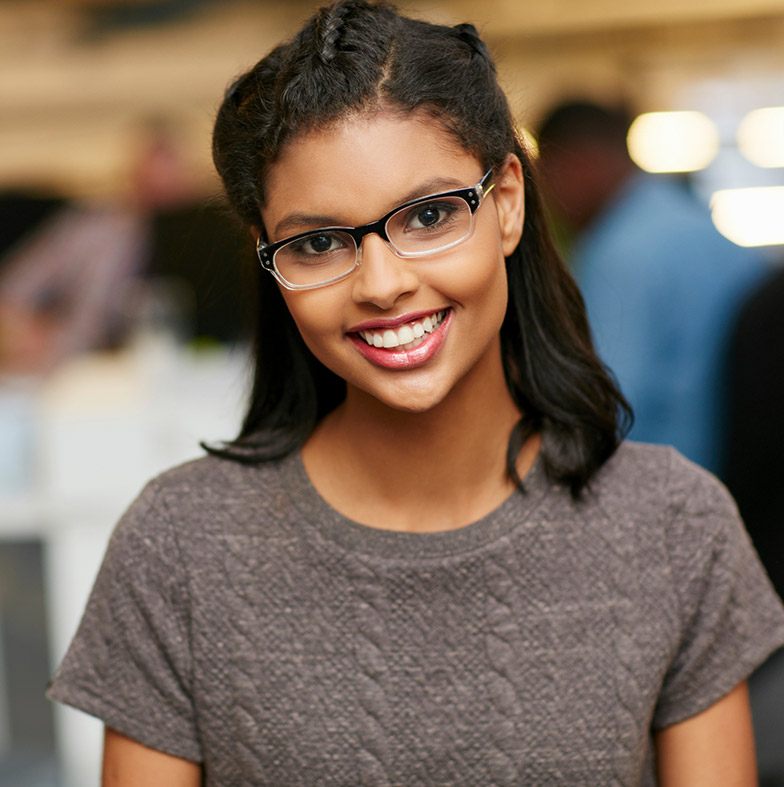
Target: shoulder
x=208 y=496
x=640 y=463
x=657 y=483
x=212 y=478
x=655 y=507
x=640 y=470
x=683 y=515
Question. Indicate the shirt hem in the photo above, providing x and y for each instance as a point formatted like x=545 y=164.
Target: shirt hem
x=84 y=700
x=692 y=703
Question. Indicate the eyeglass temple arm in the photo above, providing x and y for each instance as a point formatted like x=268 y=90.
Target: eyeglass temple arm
x=482 y=188
x=486 y=191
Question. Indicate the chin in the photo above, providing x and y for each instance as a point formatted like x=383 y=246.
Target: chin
x=413 y=402
x=411 y=408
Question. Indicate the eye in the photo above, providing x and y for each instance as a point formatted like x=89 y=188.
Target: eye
x=318 y=244
x=429 y=216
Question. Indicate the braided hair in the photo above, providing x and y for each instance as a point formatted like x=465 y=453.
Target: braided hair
x=329 y=27
x=352 y=57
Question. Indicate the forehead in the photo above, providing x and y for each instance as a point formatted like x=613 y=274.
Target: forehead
x=360 y=167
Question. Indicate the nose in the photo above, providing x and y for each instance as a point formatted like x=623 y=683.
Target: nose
x=382 y=277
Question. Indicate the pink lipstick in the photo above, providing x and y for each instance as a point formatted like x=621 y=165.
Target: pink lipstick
x=420 y=336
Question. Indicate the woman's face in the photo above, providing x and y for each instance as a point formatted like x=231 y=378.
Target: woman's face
x=444 y=311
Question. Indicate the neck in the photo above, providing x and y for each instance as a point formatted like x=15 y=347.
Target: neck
x=434 y=470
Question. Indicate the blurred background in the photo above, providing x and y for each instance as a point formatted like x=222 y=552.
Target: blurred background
x=126 y=288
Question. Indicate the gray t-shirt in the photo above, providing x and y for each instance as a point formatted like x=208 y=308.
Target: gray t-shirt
x=241 y=622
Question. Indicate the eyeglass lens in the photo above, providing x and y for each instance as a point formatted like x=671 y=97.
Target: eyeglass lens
x=420 y=229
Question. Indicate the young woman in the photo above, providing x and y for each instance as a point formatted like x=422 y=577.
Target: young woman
x=426 y=559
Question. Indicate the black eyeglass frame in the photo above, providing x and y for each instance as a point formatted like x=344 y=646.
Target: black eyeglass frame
x=471 y=195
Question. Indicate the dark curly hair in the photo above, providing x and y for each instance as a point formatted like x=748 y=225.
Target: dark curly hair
x=352 y=57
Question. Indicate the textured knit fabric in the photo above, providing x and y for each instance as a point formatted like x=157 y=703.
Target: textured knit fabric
x=240 y=622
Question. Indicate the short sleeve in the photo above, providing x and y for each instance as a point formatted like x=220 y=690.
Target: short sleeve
x=730 y=618
x=129 y=663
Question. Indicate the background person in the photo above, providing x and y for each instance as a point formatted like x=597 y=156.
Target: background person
x=661 y=285
x=753 y=469
x=90 y=272
x=754 y=459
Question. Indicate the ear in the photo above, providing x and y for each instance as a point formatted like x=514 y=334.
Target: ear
x=509 y=194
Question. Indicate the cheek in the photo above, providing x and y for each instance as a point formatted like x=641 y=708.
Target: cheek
x=481 y=286
x=315 y=314
x=497 y=298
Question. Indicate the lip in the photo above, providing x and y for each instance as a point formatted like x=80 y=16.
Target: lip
x=393 y=322
x=396 y=358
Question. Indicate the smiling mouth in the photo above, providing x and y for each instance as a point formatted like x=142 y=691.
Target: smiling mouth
x=407 y=336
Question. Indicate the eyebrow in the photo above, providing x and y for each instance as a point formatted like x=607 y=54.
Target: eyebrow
x=294 y=222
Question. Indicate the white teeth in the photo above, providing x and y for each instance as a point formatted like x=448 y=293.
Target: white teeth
x=405 y=334
x=411 y=345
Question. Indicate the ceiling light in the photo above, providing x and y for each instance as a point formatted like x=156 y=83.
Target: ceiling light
x=673 y=141
x=761 y=137
x=751 y=216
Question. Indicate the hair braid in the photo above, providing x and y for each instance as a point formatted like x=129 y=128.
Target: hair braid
x=329 y=28
x=469 y=35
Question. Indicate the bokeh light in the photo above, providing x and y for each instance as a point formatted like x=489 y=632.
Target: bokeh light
x=673 y=141
x=750 y=216
x=761 y=137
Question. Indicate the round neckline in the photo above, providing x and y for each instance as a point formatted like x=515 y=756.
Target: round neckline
x=330 y=524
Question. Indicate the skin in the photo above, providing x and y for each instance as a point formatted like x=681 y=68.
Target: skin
x=426 y=444
x=715 y=748
x=127 y=763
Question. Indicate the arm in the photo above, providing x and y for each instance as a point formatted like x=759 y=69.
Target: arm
x=715 y=748
x=127 y=763
x=130 y=661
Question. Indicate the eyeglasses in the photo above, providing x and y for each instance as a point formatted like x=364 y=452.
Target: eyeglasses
x=424 y=226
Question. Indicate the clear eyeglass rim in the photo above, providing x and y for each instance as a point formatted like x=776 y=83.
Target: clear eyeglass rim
x=473 y=196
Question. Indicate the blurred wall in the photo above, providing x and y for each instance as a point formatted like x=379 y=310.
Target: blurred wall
x=79 y=77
